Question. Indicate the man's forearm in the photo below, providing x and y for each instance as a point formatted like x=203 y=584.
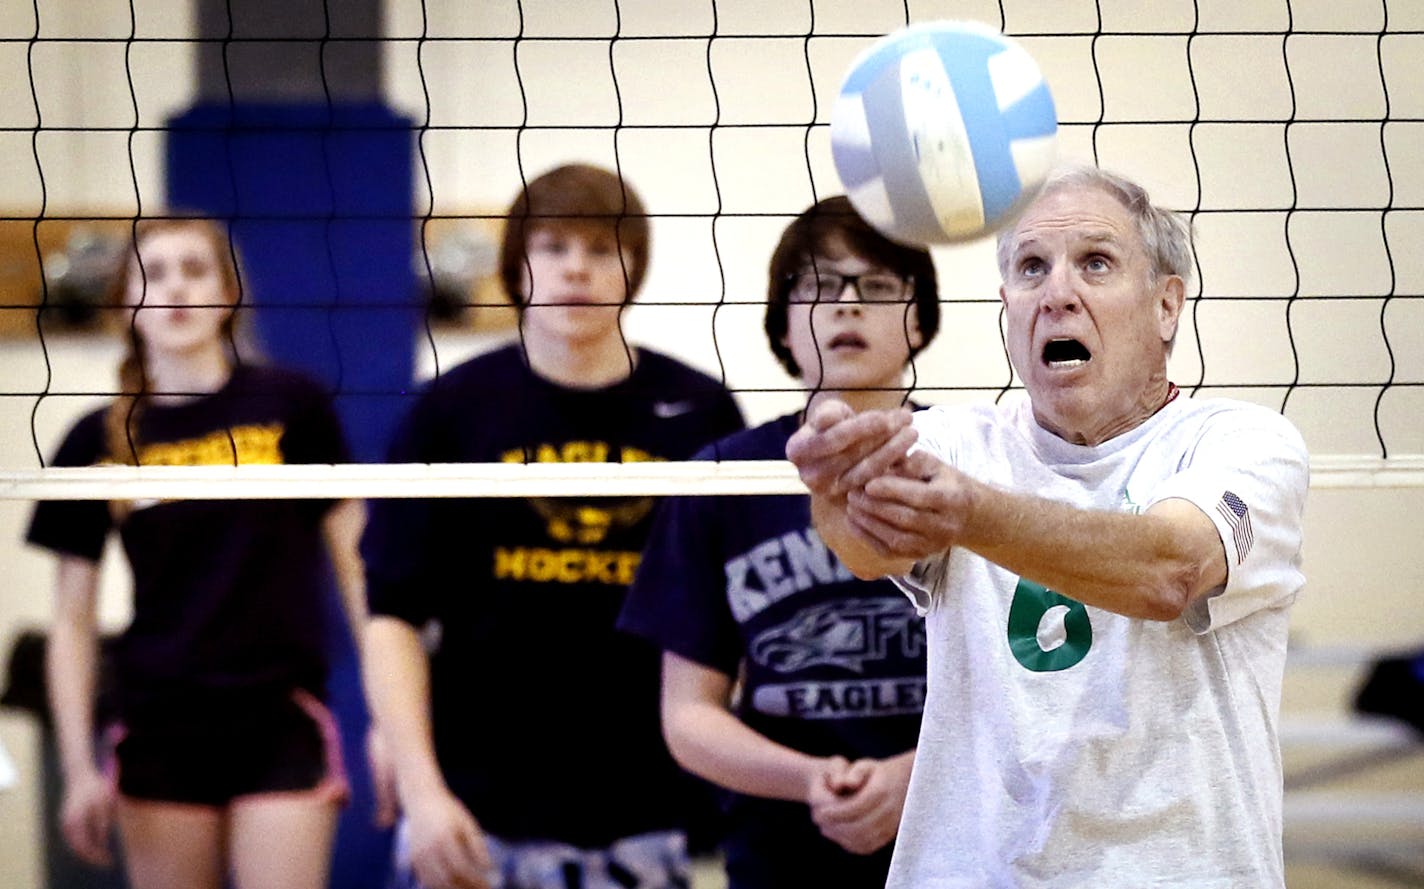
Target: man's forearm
x=859 y=556
x=1148 y=566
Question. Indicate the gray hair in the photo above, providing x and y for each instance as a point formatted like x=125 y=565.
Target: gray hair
x=1166 y=235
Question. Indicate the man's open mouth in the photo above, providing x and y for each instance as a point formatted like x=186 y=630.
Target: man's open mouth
x=1065 y=353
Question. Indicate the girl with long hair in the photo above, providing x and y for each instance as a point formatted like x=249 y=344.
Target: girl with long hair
x=222 y=760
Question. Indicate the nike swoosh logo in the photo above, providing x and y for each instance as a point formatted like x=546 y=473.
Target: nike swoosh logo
x=668 y=409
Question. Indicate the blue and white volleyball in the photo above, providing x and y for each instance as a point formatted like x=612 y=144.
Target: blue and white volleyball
x=942 y=132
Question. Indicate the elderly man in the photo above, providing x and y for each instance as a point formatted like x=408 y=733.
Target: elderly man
x=1105 y=568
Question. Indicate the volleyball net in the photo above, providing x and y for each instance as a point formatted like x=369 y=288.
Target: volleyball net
x=1292 y=133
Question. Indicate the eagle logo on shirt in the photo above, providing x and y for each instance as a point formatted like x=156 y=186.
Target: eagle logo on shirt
x=845 y=633
x=589 y=523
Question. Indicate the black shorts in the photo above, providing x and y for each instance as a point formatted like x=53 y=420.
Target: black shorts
x=213 y=755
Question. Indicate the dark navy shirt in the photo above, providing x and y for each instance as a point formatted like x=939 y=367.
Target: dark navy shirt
x=545 y=717
x=228 y=595
x=828 y=664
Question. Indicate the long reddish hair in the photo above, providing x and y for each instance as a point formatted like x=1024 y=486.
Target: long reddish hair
x=121 y=421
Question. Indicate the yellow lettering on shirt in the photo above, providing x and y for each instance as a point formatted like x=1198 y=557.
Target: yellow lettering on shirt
x=532 y=564
x=578 y=451
x=251 y=445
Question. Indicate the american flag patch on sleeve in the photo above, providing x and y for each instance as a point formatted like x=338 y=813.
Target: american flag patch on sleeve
x=1238 y=516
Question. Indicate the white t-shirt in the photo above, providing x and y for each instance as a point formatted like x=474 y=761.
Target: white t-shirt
x=1070 y=746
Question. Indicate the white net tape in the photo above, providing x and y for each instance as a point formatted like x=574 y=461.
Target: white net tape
x=739 y=477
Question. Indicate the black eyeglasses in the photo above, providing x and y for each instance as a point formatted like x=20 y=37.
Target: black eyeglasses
x=872 y=287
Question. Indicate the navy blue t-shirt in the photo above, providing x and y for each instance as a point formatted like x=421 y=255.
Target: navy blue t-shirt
x=227 y=594
x=545 y=717
x=829 y=664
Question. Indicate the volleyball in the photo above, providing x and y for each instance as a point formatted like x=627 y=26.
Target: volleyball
x=942 y=132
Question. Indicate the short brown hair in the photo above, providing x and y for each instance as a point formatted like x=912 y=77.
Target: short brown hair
x=581 y=197
x=826 y=223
